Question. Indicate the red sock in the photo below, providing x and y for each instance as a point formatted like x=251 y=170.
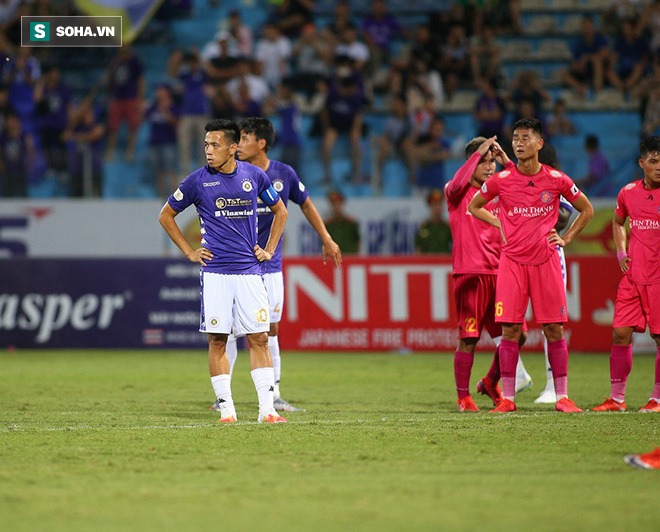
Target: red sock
x=509 y=353
x=621 y=359
x=462 y=370
x=558 y=358
x=494 y=371
x=656 y=387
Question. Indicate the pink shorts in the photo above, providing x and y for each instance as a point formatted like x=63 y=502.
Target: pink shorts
x=120 y=110
x=542 y=283
x=633 y=306
x=475 y=305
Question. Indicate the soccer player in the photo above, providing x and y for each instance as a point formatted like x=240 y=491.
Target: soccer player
x=475 y=258
x=638 y=296
x=257 y=137
x=225 y=193
x=529 y=265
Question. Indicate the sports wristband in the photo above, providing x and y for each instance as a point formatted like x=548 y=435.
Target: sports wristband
x=621 y=255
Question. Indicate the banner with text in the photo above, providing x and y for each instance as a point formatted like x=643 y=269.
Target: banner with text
x=405 y=303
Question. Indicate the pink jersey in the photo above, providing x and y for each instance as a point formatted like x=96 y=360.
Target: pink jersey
x=642 y=206
x=476 y=244
x=529 y=208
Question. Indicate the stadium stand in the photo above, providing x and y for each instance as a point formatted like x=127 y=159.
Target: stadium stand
x=544 y=46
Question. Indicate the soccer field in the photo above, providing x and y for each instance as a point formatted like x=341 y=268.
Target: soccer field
x=124 y=440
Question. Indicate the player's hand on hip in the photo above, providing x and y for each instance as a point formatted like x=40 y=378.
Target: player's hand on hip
x=262 y=254
x=200 y=255
x=554 y=238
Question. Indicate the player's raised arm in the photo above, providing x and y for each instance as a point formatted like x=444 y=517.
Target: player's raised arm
x=167 y=221
x=276 y=230
x=330 y=248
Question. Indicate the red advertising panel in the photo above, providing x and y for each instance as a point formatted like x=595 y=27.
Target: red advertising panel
x=406 y=303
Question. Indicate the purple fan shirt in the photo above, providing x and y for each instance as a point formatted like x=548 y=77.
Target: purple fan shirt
x=227 y=208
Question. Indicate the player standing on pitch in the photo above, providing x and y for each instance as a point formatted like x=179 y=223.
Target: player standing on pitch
x=475 y=258
x=225 y=193
x=257 y=137
x=638 y=296
x=529 y=265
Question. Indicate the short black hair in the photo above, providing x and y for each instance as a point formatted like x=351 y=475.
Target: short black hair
x=649 y=145
x=473 y=145
x=548 y=155
x=528 y=123
x=591 y=141
x=262 y=129
x=228 y=127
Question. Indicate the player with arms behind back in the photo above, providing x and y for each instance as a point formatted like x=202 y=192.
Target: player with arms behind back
x=257 y=137
x=225 y=193
x=529 y=265
x=475 y=258
x=638 y=296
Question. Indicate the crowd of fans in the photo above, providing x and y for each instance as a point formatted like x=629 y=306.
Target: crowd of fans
x=336 y=67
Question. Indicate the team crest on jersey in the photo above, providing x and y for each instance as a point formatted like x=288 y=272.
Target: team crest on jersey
x=504 y=173
x=629 y=186
x=246 y=185
x=555 y=173
x=484 y=188
x=301 y=187
x=278 y=185
x=546 y=197
x=221 y=203
x=178 y=195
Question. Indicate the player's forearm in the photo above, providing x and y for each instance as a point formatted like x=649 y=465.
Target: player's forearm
x=315 y=220
x=580 y=223
x=172 y=229
x=620 y=236
x=276 y=230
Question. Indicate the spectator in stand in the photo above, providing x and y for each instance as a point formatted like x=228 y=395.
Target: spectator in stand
x=429 y=153
x=527 y=86
x=220 y=58
x=194 y=91
x=455 y=67
x=222 y=104
x=163 y=119
x=126 y=83
x=629 y=59
x=343 y=114
x=380 y=28
x=24 y=73
x=503 y=15
x=292 y=15
x=590 y=55
x=396 y=133
x=422 y=84
x=341 y=20
x=84 y=136
x=272 y=53
x=350 y=46
x=619 y=11
x=649 y=25
x=5 y=107
x=597 y=180
x=485 y=56
x=343 y=229
x=258 y=89
x=53 y=101
x=241 y=33
x=17 y=156
x=243 y=103
x=651 y=123
x=647 y=86
x=312 y=57
x=558 y=122
x=434 y=234
x=289 y=137
x=490 y=111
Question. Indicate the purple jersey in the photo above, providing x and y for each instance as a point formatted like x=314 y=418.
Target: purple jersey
x=289 y=187
x=227 y=208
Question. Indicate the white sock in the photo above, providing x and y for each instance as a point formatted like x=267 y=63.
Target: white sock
x=263 y=382
x=274 y=348
x=521 y=372
x=222 y=388
x=231 y=350
x=549 y=380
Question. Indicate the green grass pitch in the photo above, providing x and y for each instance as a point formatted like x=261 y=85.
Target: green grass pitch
x=124 y=440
